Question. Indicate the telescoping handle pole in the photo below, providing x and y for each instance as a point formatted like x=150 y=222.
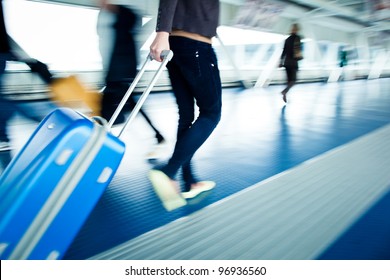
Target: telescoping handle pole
x=166 y=56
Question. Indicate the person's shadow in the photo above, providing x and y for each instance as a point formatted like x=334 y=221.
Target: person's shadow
x=283 y=152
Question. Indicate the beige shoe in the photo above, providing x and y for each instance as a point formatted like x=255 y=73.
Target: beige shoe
x=166 y=190
x=160 y=150
x=198 y=188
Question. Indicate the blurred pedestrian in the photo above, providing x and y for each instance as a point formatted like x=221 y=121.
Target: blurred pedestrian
x=5 y=110
x=343 y=57
x=11 y=51
x=116 y=27
x=292 y=53
x=186 y=28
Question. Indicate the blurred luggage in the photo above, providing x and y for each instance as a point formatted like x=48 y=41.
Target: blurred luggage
x=70 y=92
x=65 y=91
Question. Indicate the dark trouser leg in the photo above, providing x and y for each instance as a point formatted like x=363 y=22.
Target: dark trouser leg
x=194 y=76
x=291 y=73
x=113 y=94
x=158 y=135
x=6 y=112
x=6 y=107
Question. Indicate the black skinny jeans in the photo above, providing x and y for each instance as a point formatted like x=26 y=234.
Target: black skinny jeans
x=195 y=79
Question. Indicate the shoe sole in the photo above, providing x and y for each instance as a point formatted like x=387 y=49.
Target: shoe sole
x=167 y=193
x=198 y=191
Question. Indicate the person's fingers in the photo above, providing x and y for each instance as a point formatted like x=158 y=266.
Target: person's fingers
x=159 y=44
x=155 y=54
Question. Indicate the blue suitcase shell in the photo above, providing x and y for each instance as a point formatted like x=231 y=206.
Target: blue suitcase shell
x=50 y=187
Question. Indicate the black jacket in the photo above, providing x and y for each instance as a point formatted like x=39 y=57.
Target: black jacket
x=288 y=50
x=122 y=66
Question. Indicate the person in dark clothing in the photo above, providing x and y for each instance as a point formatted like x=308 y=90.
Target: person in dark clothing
x=186 y=28
x=343 y=57
x=292 y=53
x=11 y=51
x=6 y=110
x=116 y=27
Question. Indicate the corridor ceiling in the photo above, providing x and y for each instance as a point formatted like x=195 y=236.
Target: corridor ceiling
x=336 y=20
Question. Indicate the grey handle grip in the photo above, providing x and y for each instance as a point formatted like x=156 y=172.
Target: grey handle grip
x=166 y=54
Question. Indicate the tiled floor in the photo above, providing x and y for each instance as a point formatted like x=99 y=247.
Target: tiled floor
x=296 y=214
x=258 y=138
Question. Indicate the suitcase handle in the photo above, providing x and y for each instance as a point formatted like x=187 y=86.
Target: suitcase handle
x=166 y=56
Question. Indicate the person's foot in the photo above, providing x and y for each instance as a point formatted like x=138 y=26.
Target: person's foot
x=167 y=190
x=198 y=188
x=284 y=97
x=284 y=94
x=158 y=151
x=4 y=146
x=160 y=138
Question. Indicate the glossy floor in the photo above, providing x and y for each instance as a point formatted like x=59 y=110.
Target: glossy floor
x=259 y=138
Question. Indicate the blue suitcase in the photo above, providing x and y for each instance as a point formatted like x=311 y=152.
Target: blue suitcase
x=50 y=187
